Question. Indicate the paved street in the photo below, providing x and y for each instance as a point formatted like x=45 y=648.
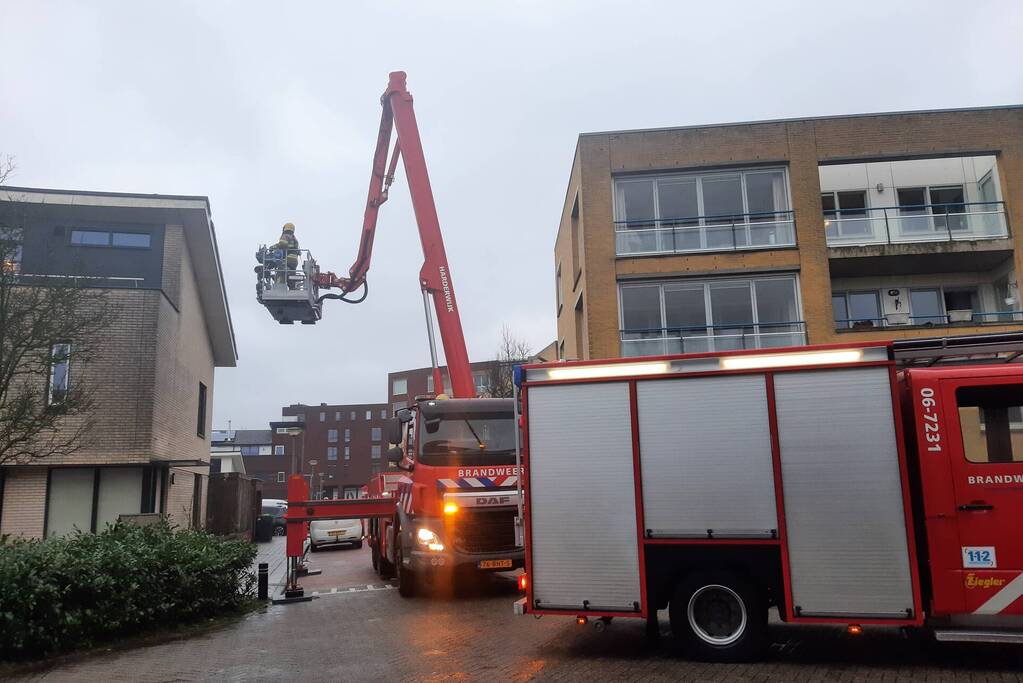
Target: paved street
x=359 y=628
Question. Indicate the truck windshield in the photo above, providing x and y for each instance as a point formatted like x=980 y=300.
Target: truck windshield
x=468 y=439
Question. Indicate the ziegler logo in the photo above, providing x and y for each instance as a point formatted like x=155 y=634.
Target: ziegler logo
x=973 y=581
x=447 y=288
x=482 y=501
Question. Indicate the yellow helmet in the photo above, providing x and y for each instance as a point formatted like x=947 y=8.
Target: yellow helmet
x=289 y=227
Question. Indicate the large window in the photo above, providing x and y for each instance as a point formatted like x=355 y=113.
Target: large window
x=59 y=382
x=481 y=382
x=990 y=421
x=845 y=214
x=375 y=451
x=331 y=436
x=375 y=433
x=703 y=212
x=930 y=209
x=331 y=452
x=922 y=306
x=399 y=387
x=102 y=238
x=709 y=315
x=89 y=498
x=856 y=309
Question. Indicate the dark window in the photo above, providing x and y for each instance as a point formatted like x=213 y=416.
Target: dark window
x=375 y=451
x=214 y=465
x=331 y=452
x=250 y=450
x=375 y=432
x=138 y=240
x=60 y=374
x=90 y=238
x=102 y=238
x=989 y=418
x=200 y=418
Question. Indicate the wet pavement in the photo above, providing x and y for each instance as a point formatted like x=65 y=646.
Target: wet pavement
x=359 y=629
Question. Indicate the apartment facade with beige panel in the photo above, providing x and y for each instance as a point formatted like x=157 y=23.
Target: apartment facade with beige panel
x=153 y=371
x=777 y=233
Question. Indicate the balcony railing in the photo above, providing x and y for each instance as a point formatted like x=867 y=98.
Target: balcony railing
x=663 y=341
x=944 y=320
x=694 y=234
x=922 y=223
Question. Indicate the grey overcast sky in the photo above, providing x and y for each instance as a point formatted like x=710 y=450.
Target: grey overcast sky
x=271 y=110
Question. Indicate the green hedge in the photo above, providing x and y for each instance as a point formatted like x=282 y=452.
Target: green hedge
x=72 y=592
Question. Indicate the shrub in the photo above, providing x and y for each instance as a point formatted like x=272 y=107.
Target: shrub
x=72 y=592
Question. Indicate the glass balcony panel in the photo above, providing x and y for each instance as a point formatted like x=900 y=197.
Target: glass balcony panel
x=929 y=223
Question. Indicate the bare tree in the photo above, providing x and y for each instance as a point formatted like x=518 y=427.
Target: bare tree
x=510 y=353
x=6 y=167
x=48 y=332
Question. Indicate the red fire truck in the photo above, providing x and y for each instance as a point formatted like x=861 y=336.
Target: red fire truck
x=871 y=484
x=457 y=498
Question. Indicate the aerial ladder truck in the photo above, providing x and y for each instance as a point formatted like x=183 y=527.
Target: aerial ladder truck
x=454 y=490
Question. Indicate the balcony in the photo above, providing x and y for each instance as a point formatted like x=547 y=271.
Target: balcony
x=711 y=338
x=963 y=318
x=697 y=234
x=916 y=224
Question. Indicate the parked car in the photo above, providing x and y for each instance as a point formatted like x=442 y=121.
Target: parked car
x=276 y=510
x=335 y=532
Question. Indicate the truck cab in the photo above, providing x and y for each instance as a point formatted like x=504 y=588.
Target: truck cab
x=966 y=436
x=458 y=499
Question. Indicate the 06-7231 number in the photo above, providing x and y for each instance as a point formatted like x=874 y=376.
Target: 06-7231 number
x=932 y=432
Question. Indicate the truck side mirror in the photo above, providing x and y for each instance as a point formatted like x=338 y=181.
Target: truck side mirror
x=404 y=415
x=394 y=430
x=395 y=455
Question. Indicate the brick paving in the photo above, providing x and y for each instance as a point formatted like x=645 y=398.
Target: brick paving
x=359 y=629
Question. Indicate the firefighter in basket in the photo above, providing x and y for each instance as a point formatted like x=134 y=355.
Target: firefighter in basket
x=288 y=247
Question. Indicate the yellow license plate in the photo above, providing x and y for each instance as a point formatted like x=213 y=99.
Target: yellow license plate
x=335 y=534
x=495 y=564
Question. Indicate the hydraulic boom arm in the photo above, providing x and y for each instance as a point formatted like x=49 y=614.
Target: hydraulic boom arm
x=435 y=275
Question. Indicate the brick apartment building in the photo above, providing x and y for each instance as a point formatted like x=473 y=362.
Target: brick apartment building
x=817 y=230
x=157 y=257
x=404 y=385
x=347 y=442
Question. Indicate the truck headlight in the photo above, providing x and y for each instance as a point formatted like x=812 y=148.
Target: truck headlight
x=429 y=539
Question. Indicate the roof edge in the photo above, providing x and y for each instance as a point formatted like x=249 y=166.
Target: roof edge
x=999 y=107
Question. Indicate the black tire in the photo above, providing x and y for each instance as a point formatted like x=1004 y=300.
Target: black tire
x=719 y=617
x=406 y=578
x=374 y=556
x=313 y=548
x=386 y=568
x=357 y=545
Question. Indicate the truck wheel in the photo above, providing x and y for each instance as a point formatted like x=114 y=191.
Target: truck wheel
x=357 y=545
x=374 y=556
x=406 y=579
x=386 y=567
x=719 y=617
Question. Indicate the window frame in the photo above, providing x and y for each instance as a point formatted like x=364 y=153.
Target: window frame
x=332 y=436
x=848 y=324
x=331 y=450
x=403 y=381
x=706 y=284
x=700 y=220
x=376 y=434
x=282 y=477
x=53 y=364
x=109 y=244
x=200 y=417
x=279 y=449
